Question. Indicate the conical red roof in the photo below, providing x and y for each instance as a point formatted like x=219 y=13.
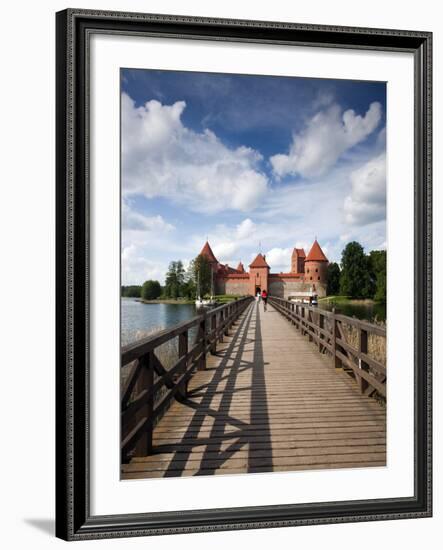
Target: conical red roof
x=316 y=254
x=207 y=253
x=240 y=268
x=259 y=261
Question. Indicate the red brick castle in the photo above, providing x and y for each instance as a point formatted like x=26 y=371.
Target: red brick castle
x=308 y=275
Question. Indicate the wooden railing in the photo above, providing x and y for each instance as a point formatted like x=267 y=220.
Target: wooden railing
x=328 y=331
x=151 y=386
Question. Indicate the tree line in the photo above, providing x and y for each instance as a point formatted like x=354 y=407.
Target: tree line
x=179 y=283
x=359 y=275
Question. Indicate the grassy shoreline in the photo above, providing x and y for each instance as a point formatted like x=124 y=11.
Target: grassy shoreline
x=165 y=301
x=345 y=300
x=221 y=299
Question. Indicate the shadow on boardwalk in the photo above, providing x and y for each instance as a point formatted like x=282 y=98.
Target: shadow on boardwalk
x=228 y=370
x=268 y=401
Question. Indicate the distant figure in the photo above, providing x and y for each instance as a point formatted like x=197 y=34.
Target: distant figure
x=258 y=296
x=264 y=297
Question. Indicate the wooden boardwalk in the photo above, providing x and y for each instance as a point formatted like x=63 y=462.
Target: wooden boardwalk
x=267 y=401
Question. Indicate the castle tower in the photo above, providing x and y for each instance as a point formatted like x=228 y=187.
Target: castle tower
x=206 y=251
x=240 y=268
x=316 y=265
x=258 y=275
x=298 y=260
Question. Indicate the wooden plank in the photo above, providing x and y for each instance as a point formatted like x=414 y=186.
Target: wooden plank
x=259 y=462
x=282 y=435
x=366 y=375
x=276 y=469
x=263 y=443
x=131 y=381
x=203 y=455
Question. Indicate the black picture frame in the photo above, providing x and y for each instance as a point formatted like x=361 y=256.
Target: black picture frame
x=74 y=28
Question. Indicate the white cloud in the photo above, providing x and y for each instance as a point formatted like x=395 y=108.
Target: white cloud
x=134 y=221
x=279 y=259
x=326 y=137
x=367 y=201
x=225 y=250
x=161 y=157
x=136 y=268
x=246 y=228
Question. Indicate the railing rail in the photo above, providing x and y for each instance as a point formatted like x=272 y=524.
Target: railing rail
x=327 y=330
x=150 y=387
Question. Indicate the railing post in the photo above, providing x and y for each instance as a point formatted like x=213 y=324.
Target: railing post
x=321 y=324
x=335 y=360
x=182 y=352
x=227 y=317
x=145 y=381
x=202 y=338
x=221 y=317
x=309 y=328
x=214 y=334
x=363 y=347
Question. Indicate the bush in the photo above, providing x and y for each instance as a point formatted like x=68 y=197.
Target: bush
x=151 y=290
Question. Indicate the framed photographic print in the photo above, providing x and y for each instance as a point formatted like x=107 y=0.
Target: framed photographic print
x=243 y=274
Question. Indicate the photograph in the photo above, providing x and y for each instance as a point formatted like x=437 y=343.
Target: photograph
x=253 y=284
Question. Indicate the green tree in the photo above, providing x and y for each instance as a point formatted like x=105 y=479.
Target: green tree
x=151 y=290
x=355 y=278
x=189 y=289
x=333 y=287
x=202 y=274
x=175 y=278
x=378 y=268
x=131 y=291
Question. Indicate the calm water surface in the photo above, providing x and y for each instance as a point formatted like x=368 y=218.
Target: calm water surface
x=367 y=312
x=139 y=320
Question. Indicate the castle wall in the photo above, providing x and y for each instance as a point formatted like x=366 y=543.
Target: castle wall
x=220 y=286
x=236 y=286
x=285 y=288
x=277 y=286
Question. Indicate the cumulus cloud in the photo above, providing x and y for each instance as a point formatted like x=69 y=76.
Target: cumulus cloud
x=163 y=158
x=134 y=221
x=227 y=242
x=246 y=228
x=328 y=135
x=136 y=268
x=279 y=259
x=367 y=201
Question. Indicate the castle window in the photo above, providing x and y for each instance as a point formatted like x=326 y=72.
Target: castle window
x=307 y=271
x=311 y=278
x=316 y=270
x=319 y=278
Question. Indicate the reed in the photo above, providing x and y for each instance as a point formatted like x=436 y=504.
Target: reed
x=376 y=348
x=376 y=344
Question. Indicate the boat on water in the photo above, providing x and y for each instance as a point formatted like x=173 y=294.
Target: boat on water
x=210 y=302
x=205 y=302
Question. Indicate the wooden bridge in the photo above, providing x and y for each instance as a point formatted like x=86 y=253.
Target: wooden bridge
x=291 y=388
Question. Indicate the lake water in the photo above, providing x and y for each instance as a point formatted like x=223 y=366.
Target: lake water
x=139 y=320
x=367 y=312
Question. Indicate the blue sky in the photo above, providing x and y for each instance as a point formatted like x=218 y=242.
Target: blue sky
x=245 y=160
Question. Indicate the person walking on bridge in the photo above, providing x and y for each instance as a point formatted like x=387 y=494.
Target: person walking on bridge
x=264 y=297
